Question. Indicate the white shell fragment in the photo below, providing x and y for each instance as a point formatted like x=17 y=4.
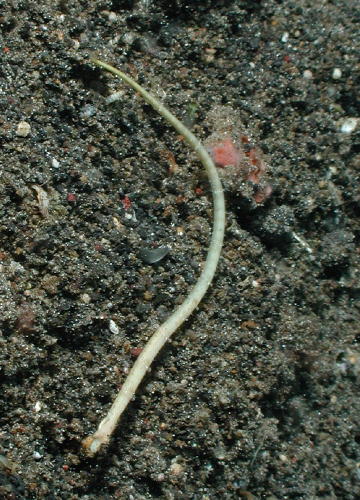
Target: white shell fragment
x=23 y=129
x=113 y=327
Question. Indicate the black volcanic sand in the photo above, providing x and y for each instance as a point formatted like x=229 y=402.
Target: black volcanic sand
x=255 y=397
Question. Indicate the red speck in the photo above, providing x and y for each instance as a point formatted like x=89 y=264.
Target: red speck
x=199 y=191
x=253 y=158
x=98 y=247
x=170 y=158
x=255 y=174
x=126 y=202
x=6 y=50
x=135 y=351
x=262 y=194
x=287 y=59
x=225 y=153
x=180 y=199
x=244 y=139
x=19 y=429
x=71 y=197
x=65 y=467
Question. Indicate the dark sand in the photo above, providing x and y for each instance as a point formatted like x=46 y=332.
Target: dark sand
x=257 y=395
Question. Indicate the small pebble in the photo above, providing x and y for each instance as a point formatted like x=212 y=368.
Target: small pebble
x=112 y=16
x=37 y=406
x=85 y=298
x=5 y=463
x=307 y=74
x=55 y=163
x=87 y=111
x=176 y=469
x=336 y=74
x=23 y=129
x=116 y=96
x=349 y=125
x=220 y=453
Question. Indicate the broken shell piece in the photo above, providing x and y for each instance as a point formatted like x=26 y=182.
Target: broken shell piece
x=43 y=200
x=153 y=255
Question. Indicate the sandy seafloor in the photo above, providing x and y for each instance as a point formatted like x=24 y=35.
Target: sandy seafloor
x=256 y=396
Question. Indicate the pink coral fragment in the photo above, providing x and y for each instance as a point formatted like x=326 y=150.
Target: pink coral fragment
x=225 y=153
x=242 y=165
